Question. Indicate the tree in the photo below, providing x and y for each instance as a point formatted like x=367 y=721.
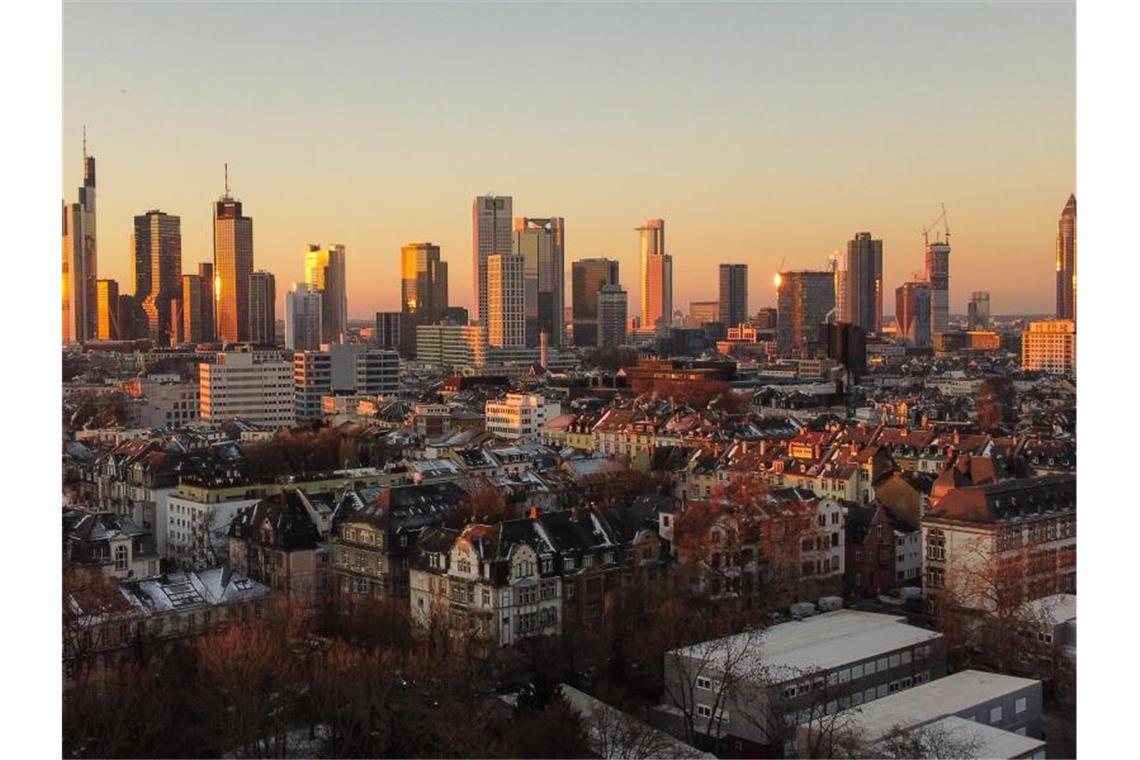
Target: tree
x=996 y=402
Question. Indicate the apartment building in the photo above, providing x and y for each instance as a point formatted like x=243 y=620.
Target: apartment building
x=519 y=415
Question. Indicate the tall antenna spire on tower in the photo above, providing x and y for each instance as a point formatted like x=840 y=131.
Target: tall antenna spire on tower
x=84 y=141
x=227 y=169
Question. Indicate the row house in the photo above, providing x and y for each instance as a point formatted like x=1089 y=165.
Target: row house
x=375 y=531
x=496 y=585
x=281 y=542
x=1002 y=544
x=883 y=552
x=104 y=624
x=764 y=546
x=114 y=543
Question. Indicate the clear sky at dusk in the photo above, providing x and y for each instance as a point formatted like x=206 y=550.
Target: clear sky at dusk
x=758 y=132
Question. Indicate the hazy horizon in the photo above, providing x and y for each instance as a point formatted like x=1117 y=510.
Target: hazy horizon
x=762 y=133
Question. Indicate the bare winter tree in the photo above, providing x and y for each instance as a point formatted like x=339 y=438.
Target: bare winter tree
x=617 y=735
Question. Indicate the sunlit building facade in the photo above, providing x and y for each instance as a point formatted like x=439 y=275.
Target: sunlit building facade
x=326 y=272
x=423 y=290
x=491 y=232
x=506 y=324
x=107 y=309
x=656 y=276
x=804 y=299
x=80 y=260
x=233 y=265
x=1067 y=261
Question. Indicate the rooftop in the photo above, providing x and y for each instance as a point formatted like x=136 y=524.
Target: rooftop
x=933 y=701
x=985 y=741
x=822 y=642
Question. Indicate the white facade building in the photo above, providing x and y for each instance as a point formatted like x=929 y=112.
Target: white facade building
x=506 y=312
x=256 y=386
x=520 y=415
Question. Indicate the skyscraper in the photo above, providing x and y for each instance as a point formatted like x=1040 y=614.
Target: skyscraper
x=542 y=244
x=206 y=279
x=388 y=332
x=490 y=233
x=423 y=290
x=859 y=283
x=194 y=302
x=913 y=313
x=107 y=310
x=733 y=309
x=233 y=264
x=157 y=247
x=978 y=310
x=1067 y=261
x=262 y=309
x=326 y=271
x=303 y=318
x=656 y=276
x=587 y=277
x=80 y=261
x=803 y=301
x=938 y=275
x=613 y=305
x=506 y=324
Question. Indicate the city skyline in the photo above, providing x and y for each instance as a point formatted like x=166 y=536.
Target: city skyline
x=764 y=183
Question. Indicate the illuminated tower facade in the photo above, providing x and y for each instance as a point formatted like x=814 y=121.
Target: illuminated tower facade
x=80 y=260
x=491 y=232
x=326 y=272
x=157 y=248
x=233 y=265
x=1067 y=261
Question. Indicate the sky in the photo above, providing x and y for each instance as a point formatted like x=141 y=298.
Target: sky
x=765 y=134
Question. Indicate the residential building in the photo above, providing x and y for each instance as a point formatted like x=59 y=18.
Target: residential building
x=794 y=671
x=656 y=277
x=1067 y=261
x=157 y=246
x=159 y=402
x=884 y=552
x=376 y=531
x=262 y=309
x=80 y=259
x=587 y=277
x=256 y=386
x=983 y=715
x=233 y=265
x=279 y=542
x=519 y=415
x=326 y=273
x=506 y=322
x=303 y=318
x=114 y=543
x=913 y=313
x=542 y=245
x=1017 y=535
x=1050 y=346
x=733 y=304
x=613 y=303
x=491 y=233
x=106 y=310
x=423 y=290
x=804 y=300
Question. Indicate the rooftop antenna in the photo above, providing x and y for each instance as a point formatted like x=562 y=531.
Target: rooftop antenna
x=227 y=170
x=84 y=141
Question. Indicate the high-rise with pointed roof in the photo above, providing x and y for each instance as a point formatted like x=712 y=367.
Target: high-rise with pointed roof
x=80 y=261
x=1067 y=261
x=233 y=265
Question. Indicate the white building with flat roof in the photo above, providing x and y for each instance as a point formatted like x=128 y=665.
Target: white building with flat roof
x=986 y=700
x=251 y=385
x=519 y=415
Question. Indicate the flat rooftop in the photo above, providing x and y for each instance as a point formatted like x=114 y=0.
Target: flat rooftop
x=818 y=643
x=984 y=742
x=933 y=701
x=1057 y=608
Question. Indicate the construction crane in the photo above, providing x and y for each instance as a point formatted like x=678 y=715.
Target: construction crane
x=941 y=218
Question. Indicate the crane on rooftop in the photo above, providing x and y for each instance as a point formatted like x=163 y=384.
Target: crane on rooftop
x=946 y=226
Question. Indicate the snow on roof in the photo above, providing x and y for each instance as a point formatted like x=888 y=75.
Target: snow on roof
x=984 y=741
x=820 y=643
x=959 y=693
x=1057 y=608
x=665 y=746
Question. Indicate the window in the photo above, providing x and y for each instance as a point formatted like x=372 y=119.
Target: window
x=789 y=692
x=857 y=671
x=894 y=661
x=1019 y=706
x=870 y=668
x=703 y=683
x=857 y=698
x=120 y=557
x=995 y=714
x=568 y=563
x=704 y=711
x=882 y=665
x=906 y=658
